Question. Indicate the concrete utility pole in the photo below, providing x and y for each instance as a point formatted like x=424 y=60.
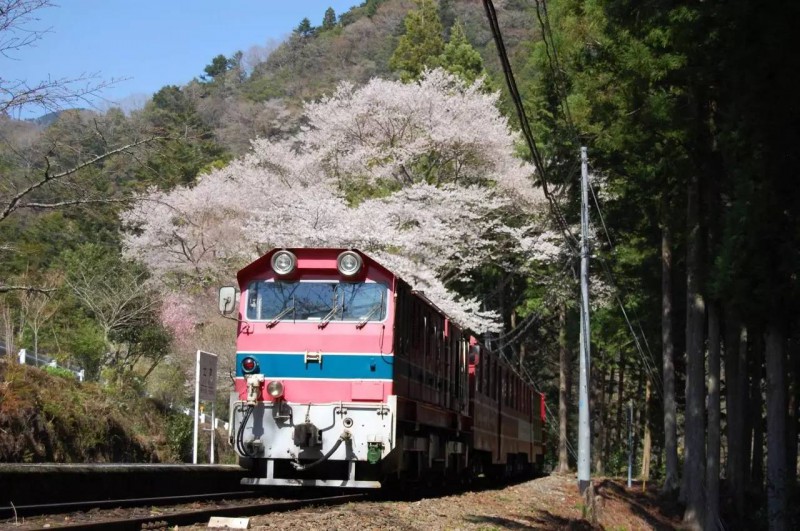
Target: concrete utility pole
x=630 y=444
x=584 y=434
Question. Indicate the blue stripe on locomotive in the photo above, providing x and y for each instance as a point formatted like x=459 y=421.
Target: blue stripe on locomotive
x=342 y=366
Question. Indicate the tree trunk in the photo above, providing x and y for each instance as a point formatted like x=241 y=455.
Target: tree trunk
x=667 y=347
x=597 y=405
x=756 y=416
x=693 y=470
x=736 y=389
x=793 y=360
x=713 y=444
x=563 y=391
x=8 y=328
x=637 y=420
x=611 y=429
x=747 y=418
x=776 y=428
x=621 y=431
x=647 y=443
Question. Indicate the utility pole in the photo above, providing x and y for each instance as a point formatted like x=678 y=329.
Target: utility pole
x=584 y=434
x=630 y=444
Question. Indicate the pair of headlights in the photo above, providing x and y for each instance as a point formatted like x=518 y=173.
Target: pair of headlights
x=348 y=263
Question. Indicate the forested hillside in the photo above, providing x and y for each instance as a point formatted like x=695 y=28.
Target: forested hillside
x=390 y=128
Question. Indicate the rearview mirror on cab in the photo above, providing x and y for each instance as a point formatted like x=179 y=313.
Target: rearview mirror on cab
x=227 y=300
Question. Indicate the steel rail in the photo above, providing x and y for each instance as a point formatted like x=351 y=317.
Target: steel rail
x=53 y=508
x=165 y=521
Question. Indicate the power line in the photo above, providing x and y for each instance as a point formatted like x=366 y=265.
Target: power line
x=553 y=62
x=557 y=72
x=525 y=126
x=555 y=68
x=650 y=365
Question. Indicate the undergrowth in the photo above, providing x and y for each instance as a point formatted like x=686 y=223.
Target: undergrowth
x=49 y=418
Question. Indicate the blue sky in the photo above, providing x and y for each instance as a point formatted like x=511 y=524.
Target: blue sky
x=154 y=42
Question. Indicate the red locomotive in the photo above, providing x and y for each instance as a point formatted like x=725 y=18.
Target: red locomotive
x=347 y=377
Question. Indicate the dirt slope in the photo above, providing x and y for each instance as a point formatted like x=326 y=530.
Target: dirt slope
x=46 y=418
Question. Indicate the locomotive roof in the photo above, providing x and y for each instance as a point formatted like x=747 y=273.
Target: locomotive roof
x=261 y=264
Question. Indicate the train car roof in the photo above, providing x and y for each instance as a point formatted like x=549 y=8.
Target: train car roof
x=421 y=295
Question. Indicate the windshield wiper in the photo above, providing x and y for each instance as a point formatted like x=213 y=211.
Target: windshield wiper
x=378 y=306
x=331 y=314
x=278 y=317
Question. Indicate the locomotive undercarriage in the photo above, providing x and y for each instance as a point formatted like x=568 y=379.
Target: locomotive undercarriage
x=334 y=445
x=357 y=445
x=435 y=456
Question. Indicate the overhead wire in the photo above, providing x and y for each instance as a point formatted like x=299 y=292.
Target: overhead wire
x=648 y=361
x=555 y=68
x=538 y=161
x=551 y=51
x=570 y=239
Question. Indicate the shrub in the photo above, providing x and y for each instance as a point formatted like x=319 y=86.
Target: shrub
x=180 y=429
x=59 y=371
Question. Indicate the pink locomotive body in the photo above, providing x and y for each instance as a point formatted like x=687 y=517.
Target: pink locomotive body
x=346 y=377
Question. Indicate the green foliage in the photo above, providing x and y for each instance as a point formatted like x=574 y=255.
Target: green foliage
x=83 y=339
x=263 y=88
x=422 y=44
x=61 y=372
x=460 y=58
x=189 y=141
x=304 y=29
x=167 y=384
x=218 y=67
x=49 y=418
x=358 y=191
x=329 y=20
x=180 y=430
x=112 y=293
x=372 y=7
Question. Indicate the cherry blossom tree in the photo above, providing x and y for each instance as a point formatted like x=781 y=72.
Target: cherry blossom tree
x=446 y=194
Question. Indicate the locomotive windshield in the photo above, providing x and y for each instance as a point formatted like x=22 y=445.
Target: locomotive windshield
x=316 y=301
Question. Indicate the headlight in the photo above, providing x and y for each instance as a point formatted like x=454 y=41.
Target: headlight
x=284 y=262
x=275 y=389
x=349 y=263
x=249 y=365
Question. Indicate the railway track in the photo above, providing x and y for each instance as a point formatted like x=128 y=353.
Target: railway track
x=16 y=511
x=162 y=517
x=58 y=484
x=159 y=496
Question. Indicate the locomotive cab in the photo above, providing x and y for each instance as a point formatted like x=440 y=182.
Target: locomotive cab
x=313 y=403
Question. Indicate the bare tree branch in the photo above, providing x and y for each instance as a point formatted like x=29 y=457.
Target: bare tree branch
x=72 y=202
x=50 y=94
x=14 y=14
x=14 y=203
x=34 y=289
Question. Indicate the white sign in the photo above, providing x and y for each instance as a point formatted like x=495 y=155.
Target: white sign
x=205 y=389
x=228 y=523
x=207 y=375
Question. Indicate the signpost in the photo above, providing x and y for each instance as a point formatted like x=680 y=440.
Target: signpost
x=205 y=389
